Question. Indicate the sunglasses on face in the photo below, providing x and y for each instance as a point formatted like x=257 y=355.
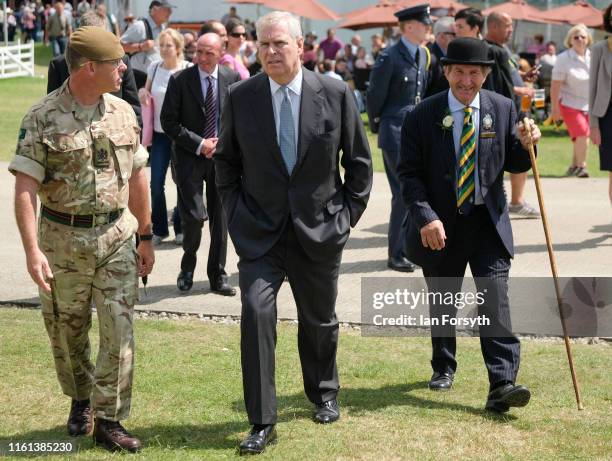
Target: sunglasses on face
x=238 y=34
x=579 y=37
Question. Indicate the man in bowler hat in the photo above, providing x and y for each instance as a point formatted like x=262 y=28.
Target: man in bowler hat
x=455 y=149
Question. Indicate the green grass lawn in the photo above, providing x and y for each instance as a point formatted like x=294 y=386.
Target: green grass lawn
x=17 y=95
x=187 y=401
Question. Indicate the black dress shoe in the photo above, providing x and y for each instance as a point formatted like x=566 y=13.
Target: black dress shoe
x=503 y=397
x=80 y=421
x=222 y=288
x=441 y=381
x=401 y=264
x=184 y=282
x=327 y=412
x=260 y=436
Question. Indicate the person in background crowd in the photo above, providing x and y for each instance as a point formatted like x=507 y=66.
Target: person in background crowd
x=600 y=98
x=507 y=81
x=355 y=44
x=329 y=67
x=250 y=57
x=112 y=25
x=58 y=29
x=398 y=83
x=378 y=44
x=550 y=55
x=28 y=24
x=309 y=59
x=569 y=94
x=331 y=45
x=348 y=55
x=215 y=27
x=469 y=22
x=537 y=47
x=139 y=39
x=362 y=59
x=343 y=72
x=159 y=72
x=236 y=37
x=190 y=47
x=232 y=14
x=444 y=32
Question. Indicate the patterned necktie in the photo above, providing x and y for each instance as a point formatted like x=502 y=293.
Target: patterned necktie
x=287 y=132
x=210 y=121
x=467 y=162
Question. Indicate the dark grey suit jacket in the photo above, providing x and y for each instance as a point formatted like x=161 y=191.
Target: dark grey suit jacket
x=256 y=190
x=183 y=114
x=428 y=168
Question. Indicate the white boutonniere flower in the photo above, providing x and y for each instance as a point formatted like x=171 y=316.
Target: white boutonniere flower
x=447 y=121
x=487 y=122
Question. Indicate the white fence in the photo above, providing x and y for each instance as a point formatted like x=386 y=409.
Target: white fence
x=17 y=60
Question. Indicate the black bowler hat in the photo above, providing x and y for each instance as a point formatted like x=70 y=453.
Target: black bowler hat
x=468 y=50
x=417 y=13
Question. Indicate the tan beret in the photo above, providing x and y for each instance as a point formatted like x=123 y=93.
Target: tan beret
x=96 y=43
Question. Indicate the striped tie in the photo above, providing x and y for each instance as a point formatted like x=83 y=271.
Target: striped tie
x=210 y=119
x=467 y=162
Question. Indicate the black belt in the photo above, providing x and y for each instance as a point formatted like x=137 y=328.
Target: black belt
x=81 y=220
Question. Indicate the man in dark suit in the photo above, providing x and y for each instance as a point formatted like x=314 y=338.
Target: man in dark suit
x=444 y=32
x=58 y=71
x=398 y=82
x=190 y=117
x=289 y=213
x=456 y=146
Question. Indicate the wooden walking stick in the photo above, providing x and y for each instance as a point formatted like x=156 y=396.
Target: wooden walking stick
x=553 y=263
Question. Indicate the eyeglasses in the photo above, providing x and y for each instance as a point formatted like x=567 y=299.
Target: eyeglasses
x=114 y=62
x=238 y=34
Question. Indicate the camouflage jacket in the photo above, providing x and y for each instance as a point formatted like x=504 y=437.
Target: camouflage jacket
x=83 y=166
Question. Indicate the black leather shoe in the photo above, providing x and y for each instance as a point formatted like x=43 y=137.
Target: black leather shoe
x=401 y=264
x=441 y=381
x=222 y=288
x=184 y=282
x=113 y=436
x=327 y=412
x=260 y=436
x=503 y=397
x=80 y=420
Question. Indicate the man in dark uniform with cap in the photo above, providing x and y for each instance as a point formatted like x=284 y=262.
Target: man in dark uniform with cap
x=456 y=146
x=398 y=82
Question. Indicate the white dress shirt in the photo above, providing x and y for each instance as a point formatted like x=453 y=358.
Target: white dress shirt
x=295 y=94
x=456 y=109
x=215 y=86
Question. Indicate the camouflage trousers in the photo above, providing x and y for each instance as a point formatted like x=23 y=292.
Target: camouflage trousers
x=92 y=267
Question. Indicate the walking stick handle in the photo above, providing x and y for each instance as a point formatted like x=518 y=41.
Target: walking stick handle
x=553 y=263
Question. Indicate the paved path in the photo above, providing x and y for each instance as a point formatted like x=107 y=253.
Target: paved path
x=578 y=209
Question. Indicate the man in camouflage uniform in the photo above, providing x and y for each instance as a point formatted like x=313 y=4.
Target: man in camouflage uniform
x=79 y=150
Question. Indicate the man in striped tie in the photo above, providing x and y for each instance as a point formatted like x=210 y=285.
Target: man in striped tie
x=190 y=116
x=455 y=149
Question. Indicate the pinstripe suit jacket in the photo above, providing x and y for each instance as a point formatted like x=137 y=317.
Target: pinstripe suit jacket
x=427 y=169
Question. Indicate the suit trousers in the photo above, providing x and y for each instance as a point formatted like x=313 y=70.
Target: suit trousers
x=193 y=214
x=475 y=241
x=398 y=220
x=315 y=287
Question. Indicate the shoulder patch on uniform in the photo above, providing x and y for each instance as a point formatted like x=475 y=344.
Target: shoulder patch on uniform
x=22 y=133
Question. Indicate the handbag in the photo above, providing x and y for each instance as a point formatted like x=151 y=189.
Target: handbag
x=148 y=118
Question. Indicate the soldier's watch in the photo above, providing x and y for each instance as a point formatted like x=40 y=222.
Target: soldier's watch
x=145 y=237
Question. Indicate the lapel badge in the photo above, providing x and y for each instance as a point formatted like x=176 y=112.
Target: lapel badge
x=487 y=122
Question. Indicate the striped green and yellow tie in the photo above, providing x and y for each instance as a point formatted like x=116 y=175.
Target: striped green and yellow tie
x=467 y=162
